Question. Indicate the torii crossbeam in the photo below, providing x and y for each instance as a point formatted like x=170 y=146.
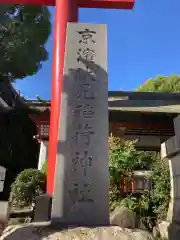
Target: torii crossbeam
x=110 y=4
x=66 y=11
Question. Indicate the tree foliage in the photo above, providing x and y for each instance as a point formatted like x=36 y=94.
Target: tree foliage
x=160 y=196
x=28 y=185
x=161 y=84
x=24 y=30
x=124 y=159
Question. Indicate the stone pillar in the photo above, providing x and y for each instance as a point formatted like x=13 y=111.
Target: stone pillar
x=173 y=153
x=81 y=177
x=171 y=150
x=174 y=207
x=43 y=155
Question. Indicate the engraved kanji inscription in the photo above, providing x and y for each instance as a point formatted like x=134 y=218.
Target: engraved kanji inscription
x=83 y=160
x=87 y=36
x=83 y=134
x=81 y=193
x=82 y=76
x=86 y=54
x=85 y=92
x=84 y=111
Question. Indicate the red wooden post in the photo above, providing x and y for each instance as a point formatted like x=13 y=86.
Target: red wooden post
x=132 y=183
x=66 y=11
x=124 y=184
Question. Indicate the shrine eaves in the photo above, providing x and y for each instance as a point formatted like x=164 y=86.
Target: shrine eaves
x=109 y=4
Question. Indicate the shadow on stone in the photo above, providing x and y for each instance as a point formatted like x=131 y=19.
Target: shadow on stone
x=173 y=231
x=75 y=201
x=43 y=205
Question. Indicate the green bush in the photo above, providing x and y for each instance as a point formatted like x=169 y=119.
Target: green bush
x=28 y=185
x=160 y=195
x=124 y=159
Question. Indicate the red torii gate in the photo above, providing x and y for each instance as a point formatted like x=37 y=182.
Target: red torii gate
x=66 y=11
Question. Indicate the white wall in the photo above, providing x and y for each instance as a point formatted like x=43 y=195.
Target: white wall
x=43 y=155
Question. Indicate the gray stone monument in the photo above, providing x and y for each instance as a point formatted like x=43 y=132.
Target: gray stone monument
x=81 y=178
x=170 y=150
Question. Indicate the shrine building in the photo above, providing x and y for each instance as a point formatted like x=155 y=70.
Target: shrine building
x=143 y=116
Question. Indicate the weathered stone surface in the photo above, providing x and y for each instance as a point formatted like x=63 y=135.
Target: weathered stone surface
x=163 y=229
x=156 y=233
x=4 y=214
x=171 y=145
x=140 y=224
x=177 y=129
x=169 y=231
x=170 y=210
x=173 y=231
x=43 y=206
x=123 y=217
x=4 y=210
x=100 y=233
x=174 y=205
x=81 y=176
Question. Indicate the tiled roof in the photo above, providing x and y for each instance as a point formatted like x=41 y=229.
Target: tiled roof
x=131 y=102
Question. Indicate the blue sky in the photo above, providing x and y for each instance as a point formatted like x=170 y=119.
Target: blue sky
x=142 y=43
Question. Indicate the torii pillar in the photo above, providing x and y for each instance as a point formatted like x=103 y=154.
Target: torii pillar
x=66 y=11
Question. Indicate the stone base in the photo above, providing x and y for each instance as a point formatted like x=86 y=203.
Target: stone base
x=43 y=208
x=4 y=214
x=38 y=232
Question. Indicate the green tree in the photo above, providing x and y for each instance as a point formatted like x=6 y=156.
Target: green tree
x=24 y=31
x=161 y=84
x=124 y=159
x=28 y=185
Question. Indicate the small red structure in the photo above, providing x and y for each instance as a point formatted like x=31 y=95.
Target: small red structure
x=139 y=182
x=42 y=123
